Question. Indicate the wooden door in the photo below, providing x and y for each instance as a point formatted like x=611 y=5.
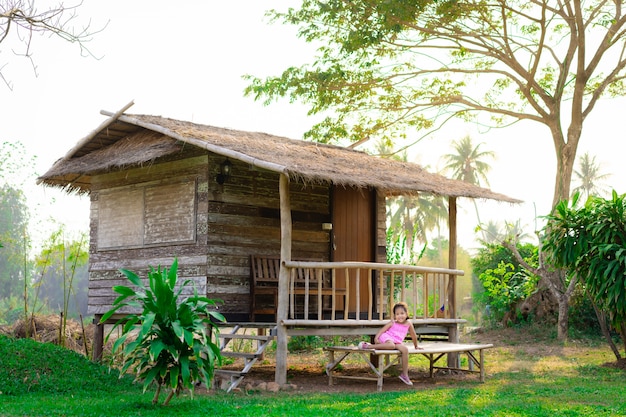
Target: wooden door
x=353 y=238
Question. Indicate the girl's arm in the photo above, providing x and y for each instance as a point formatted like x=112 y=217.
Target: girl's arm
x=413 y=334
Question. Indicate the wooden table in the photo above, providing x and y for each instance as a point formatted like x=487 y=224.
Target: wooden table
x=434 y=351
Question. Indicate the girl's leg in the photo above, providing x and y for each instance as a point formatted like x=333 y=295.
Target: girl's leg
x=381 y=346
x=405 y=358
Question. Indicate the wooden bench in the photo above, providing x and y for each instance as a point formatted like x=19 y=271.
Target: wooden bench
x=383 y=360
x=264 y=272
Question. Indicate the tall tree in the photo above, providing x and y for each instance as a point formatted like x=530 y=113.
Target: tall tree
x=388 y=68
x=589 y=178
x=411 y=217
x=468 y=164
x=391 y=67
x=14 y=238
x=21 y=21
x=15 y=169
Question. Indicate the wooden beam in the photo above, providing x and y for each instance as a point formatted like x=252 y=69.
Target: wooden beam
x=283 y=281
x=112 y=118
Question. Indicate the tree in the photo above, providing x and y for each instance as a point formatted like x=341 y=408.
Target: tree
x=590 y=242
x=22 y=21
x=589 y=178
x=468 y=164
x=502 y=281
x=388 y=68
x=411 y=217
x=14 y=237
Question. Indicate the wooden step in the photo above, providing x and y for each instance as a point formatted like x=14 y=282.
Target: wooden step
x=245 y=336
x=230 y=354
x=247 y=325
x=228 y=372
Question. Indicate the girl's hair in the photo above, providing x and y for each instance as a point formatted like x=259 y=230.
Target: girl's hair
x=403 y=305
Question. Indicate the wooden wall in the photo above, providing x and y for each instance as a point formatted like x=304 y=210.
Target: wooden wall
x=244 y=219
x=147 y=216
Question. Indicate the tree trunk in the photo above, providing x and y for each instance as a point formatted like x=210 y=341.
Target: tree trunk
x=555 y=281
x=563 y=320
x=605 y=330
x=565 y=159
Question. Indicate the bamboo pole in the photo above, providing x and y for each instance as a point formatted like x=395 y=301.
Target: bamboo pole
x=318 y=274
x=370 y=293
x=358 y=294
x=381 y=295
x=347 y=302
x=333 y=301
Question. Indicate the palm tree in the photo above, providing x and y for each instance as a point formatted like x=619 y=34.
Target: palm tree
x=412 y=217
x=589 y=178
x=467 y=164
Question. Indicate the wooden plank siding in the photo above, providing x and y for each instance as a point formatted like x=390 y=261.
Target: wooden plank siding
x=229 y=223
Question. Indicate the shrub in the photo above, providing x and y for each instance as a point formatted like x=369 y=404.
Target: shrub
x=174 y=345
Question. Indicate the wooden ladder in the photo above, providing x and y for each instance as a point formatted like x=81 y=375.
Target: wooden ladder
x=232 y=378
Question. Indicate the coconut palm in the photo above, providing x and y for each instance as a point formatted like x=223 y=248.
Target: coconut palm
x=468 y=164
x=589 y=178
x=412 y=217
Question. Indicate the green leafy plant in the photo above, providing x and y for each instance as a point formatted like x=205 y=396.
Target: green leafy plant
x=172 y=341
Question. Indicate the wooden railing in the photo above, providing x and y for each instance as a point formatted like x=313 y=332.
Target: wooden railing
x=429 y=292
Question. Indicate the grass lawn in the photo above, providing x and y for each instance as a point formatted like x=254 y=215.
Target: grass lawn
x=526 y=377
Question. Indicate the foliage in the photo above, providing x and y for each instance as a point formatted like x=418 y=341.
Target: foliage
x=385 y=69
x=590 y=241
x=502 y=281
x=467 y=163
x=504 y=289
x=63 y=278
x=304 y=343
x=14 y=237
x=174 y=343
x=589 y=178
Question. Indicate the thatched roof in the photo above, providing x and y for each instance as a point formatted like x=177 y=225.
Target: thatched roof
x=133 y=140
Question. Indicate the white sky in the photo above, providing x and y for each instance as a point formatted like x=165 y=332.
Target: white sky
x=184 y=60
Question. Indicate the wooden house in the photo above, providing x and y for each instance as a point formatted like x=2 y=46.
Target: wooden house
x=218 y=198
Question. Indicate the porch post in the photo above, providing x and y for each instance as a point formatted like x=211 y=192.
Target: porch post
x=452 y=249
x=453 y=335
x=283 y=281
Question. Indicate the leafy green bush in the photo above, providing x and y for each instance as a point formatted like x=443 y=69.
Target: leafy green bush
x=503 y=283
x=174 y=345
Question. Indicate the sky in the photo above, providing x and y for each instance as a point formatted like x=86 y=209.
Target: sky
x=185 y=60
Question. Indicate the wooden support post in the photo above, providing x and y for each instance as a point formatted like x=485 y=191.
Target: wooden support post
x=98 y=338
x=453 y=335
x=283 y=281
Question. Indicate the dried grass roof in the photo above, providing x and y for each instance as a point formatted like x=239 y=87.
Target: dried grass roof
x=132 y=140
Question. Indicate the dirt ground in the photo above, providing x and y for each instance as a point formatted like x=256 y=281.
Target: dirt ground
x=514 y=350
x=306 y=370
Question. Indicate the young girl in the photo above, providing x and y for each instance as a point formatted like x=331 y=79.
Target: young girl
x=392 y=336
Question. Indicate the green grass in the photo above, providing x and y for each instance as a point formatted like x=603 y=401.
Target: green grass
x=45 y=380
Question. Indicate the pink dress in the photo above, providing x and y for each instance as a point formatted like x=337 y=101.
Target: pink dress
x=396 y=334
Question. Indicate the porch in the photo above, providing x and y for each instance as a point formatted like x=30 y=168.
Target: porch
x=346 y=298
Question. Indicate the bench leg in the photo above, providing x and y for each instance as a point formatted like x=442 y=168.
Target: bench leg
x=381 y=370
x=482 y=367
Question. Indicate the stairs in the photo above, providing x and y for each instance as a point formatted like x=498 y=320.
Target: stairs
x=265 y=333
